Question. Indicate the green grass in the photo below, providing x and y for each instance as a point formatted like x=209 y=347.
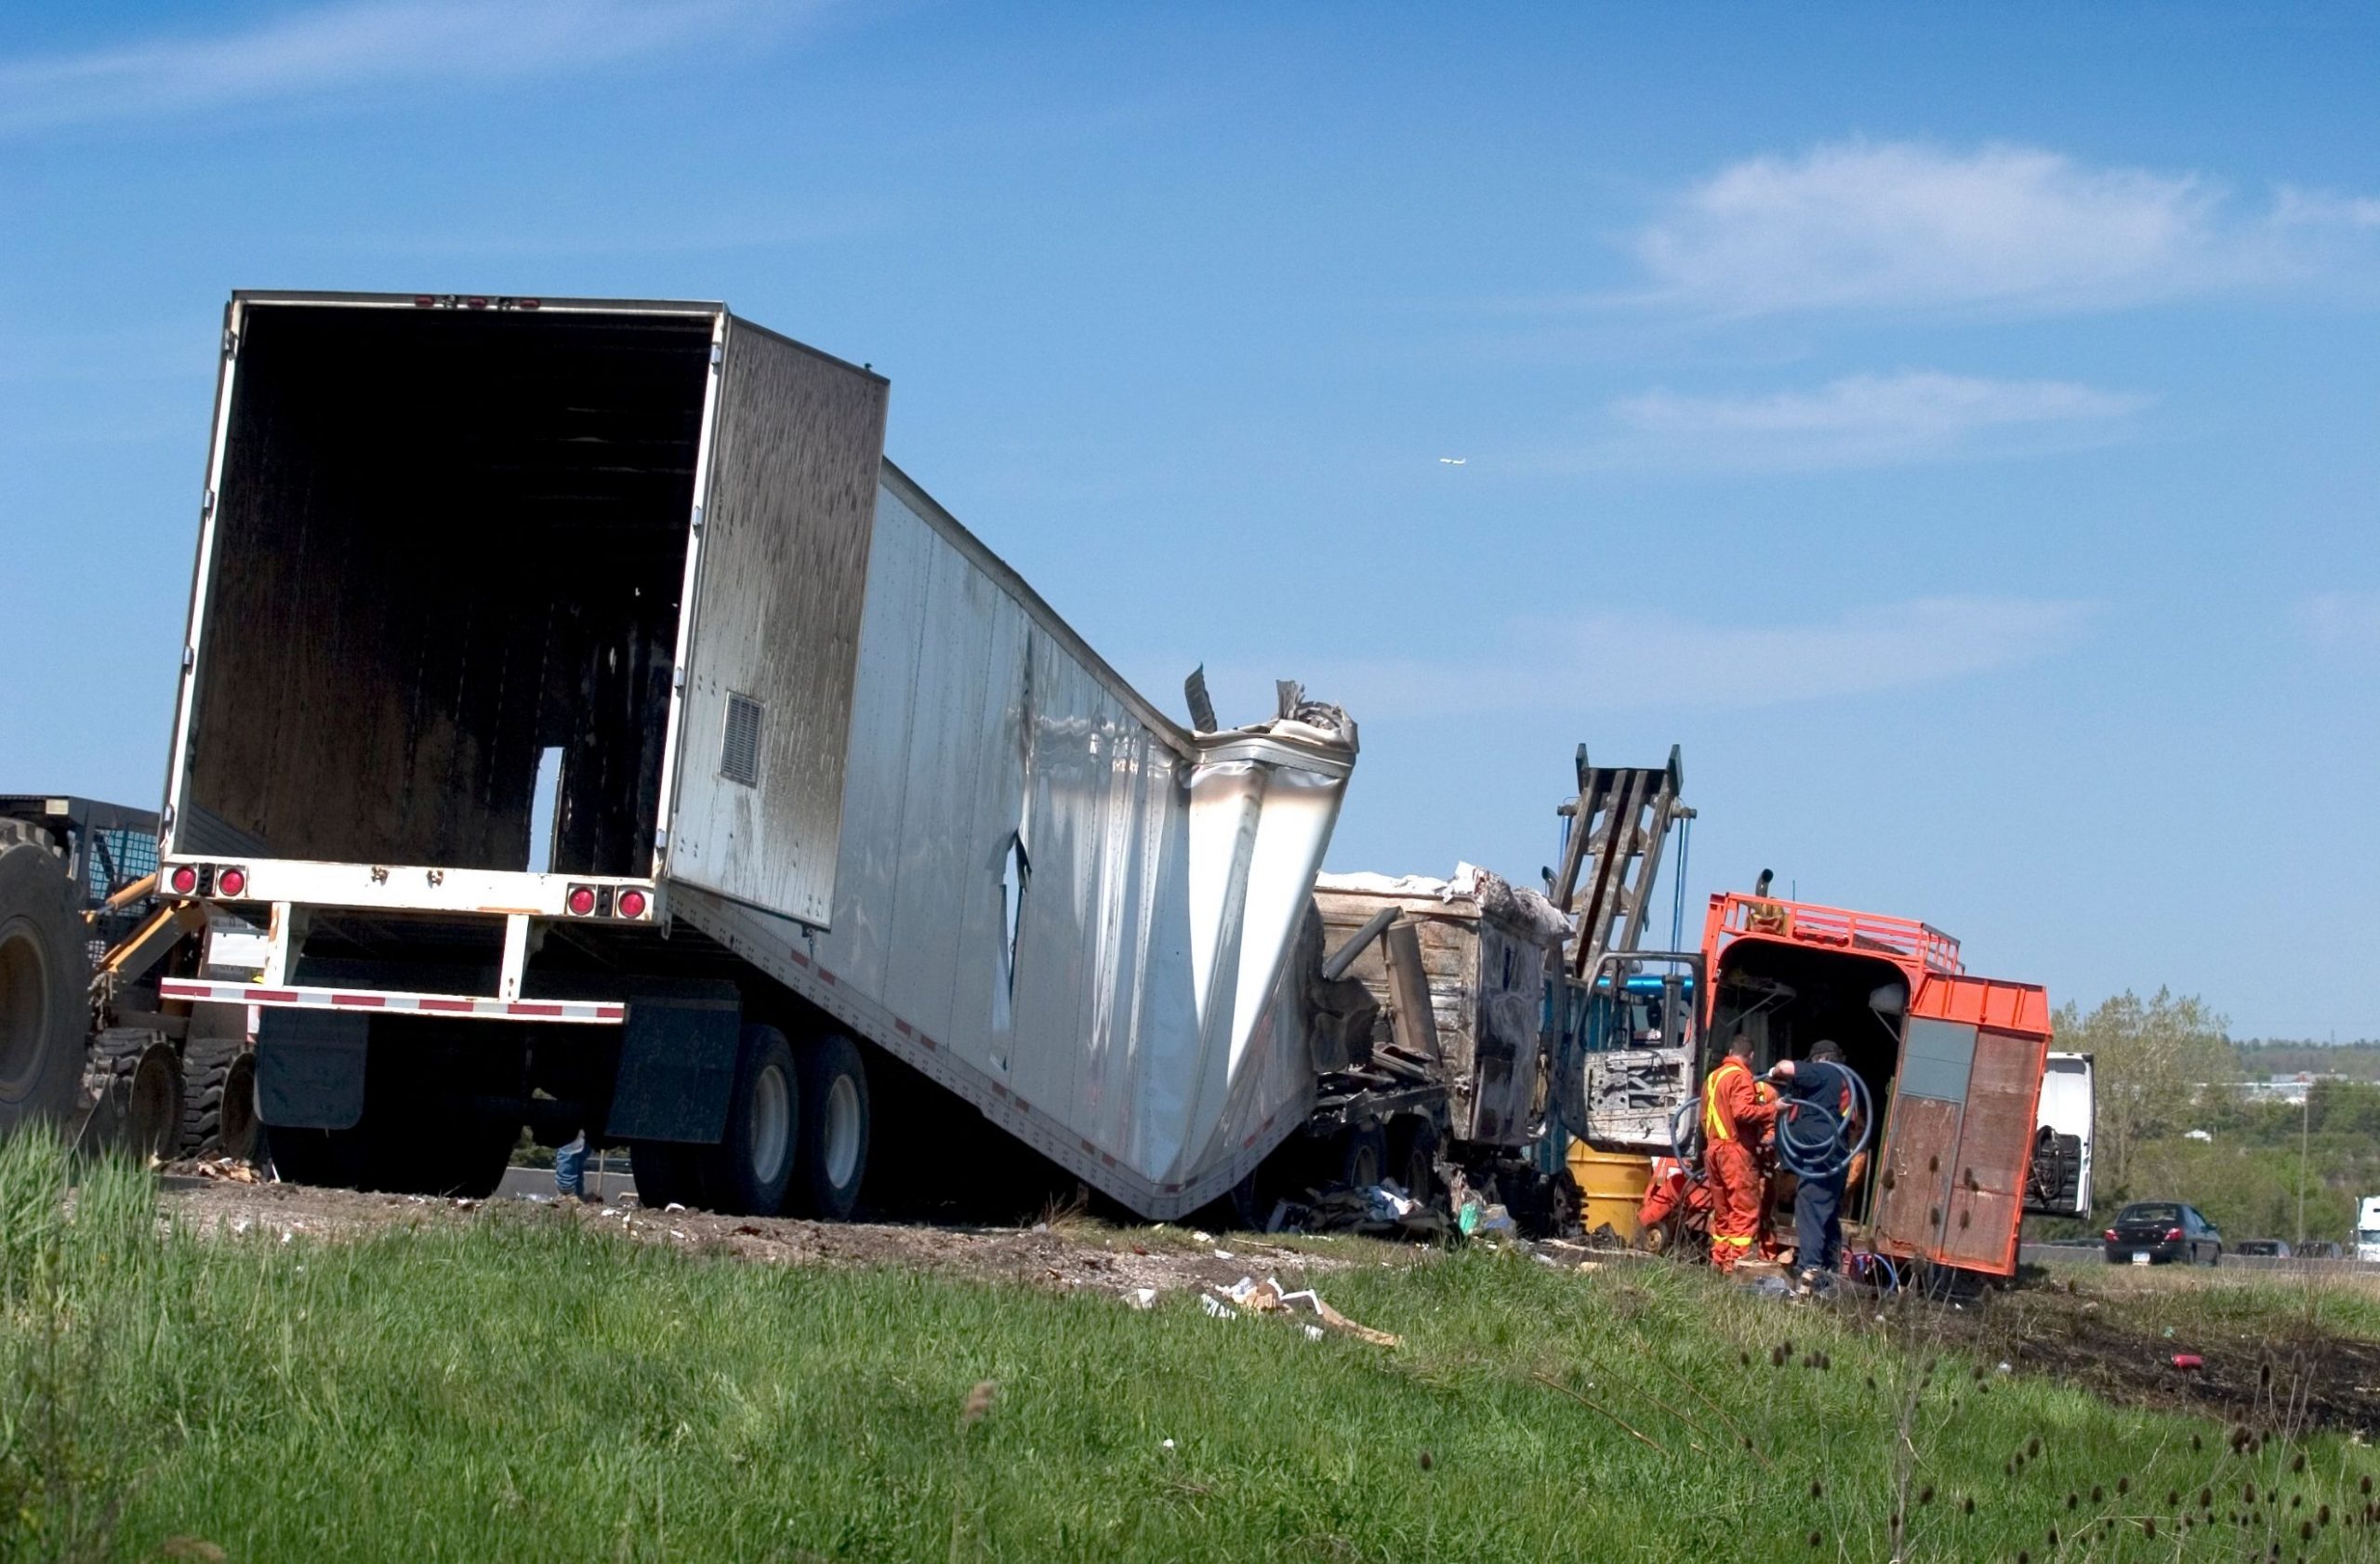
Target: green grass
x=2185 y=1299
x=523 y=1388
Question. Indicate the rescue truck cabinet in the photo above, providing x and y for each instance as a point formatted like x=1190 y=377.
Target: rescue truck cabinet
x=1953 y=1064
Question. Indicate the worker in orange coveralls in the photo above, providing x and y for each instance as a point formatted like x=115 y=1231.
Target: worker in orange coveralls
x=1671 y=1192
x=1734 y=1117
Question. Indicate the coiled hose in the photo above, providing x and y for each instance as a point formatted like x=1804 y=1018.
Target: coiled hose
x=1810 y=1139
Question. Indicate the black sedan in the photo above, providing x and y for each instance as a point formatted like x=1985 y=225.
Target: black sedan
x=2158 y=1232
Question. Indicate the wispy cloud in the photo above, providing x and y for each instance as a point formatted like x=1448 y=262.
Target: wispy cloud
x=1900 y=225
x=2346 y=622
x=327 y=50
x=1864 y=420
x=1611 y=661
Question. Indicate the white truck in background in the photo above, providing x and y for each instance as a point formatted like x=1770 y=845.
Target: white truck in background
x=580 y=723
x=2367 y=1228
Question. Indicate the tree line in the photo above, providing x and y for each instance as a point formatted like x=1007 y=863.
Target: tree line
x=2174 y=1124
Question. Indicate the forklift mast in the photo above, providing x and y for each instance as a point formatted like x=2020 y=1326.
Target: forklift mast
x=1617 y=829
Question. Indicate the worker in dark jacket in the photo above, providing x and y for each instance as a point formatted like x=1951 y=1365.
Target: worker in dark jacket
x=1823 y=1083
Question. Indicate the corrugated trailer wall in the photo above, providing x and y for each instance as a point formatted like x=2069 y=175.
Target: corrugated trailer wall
x=1016 y=909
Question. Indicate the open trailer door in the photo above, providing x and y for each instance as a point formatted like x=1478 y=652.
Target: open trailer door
x=1957 y=1150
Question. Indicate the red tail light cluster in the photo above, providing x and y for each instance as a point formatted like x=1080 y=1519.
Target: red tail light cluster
x=601 y=901
x=2111 y=1234
x=2173 y=1235
x=227 y=880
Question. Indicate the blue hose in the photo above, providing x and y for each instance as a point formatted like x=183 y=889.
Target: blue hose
x=1810 y=1139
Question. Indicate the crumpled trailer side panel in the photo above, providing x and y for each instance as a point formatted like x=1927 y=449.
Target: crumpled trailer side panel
x=1050 y=898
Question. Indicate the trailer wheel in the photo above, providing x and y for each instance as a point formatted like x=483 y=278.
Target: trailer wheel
x=746 y=1172
x=220 y=1098
x=1413 y=1155
x=45 y=983
x=664 y=1173
x=834 y=1130
x=138 y=1079
x=1363 y=1156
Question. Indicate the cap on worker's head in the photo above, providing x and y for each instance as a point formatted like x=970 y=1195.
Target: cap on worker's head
x=1826 y=1048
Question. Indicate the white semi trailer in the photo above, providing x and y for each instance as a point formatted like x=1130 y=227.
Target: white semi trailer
x=582 y=725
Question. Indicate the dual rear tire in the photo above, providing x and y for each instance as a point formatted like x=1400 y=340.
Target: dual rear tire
x=796 y=1139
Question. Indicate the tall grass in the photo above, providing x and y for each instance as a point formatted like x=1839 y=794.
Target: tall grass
x=524 y=1387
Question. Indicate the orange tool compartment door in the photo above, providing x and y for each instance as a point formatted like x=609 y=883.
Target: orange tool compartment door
x=1958 y=1139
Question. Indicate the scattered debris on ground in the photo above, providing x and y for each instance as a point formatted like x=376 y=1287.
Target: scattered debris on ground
x=1068 y=1254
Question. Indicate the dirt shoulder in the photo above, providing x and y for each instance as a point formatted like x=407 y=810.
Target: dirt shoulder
x=2263 y=1353
x=1068 y=1254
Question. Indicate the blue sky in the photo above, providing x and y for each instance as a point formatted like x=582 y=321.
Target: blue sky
x=1955 y=428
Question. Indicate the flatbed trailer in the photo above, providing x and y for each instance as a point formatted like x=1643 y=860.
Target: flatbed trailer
x=581 y=723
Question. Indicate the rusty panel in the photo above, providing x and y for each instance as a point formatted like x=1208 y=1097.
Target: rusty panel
x=1913 y=1192
x=1995 y=1151
x=784 y=565
x=1449 y=943
x=1508 y=1041
x=1984 y=1001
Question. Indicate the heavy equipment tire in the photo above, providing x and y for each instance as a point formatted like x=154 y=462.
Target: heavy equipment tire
x=1413 y=1155
x=138 y=1079
x=831 y=1161
x=746 y=1172
x=13 y=831
x=664 y=1173
x=45 y=987
x=220 y=1099
x=1363 y=1156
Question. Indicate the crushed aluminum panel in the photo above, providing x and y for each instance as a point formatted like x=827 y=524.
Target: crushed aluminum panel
x=794 y=453
x=1140 y=1031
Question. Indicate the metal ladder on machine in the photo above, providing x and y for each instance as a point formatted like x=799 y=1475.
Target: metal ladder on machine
x=1620 y=828
x=1620 y=825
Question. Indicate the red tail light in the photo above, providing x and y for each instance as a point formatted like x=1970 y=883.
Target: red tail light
x=2111 y=1234
x=581 y=900
x=631 y=904
x=2173 y=1235
x=184 y=880
x=232 y=882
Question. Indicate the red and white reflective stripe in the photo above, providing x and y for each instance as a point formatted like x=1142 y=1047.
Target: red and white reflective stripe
x=580 y=1012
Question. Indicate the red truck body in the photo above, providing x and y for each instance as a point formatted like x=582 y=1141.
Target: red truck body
x=1953 y=1062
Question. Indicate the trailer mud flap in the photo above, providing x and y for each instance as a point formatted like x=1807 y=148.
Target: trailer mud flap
x=677 y=1065
x=309 y=1068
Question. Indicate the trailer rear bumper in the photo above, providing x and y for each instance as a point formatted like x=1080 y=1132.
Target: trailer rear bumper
x=589 y=1013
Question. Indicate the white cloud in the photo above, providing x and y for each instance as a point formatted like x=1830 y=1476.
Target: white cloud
x=331 y=48
x=1610 y=661
x=1866 y=420
x=1902 y=225
x=2342 y=621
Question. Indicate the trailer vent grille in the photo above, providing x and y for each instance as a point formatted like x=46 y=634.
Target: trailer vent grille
x=739 y=749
